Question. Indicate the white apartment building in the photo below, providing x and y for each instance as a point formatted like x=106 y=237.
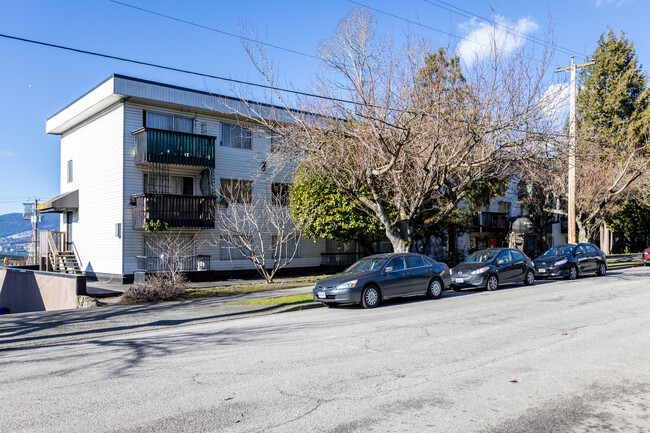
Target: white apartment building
x=134 y=151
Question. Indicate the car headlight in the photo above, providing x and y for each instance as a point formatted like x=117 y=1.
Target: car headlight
x=347 y=285
x=480 y=270
x=560 y=262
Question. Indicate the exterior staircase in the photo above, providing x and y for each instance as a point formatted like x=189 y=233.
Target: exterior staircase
x=66 y=262
x=59 y=258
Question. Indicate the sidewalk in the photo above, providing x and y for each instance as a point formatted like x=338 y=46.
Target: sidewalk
x=103 y=289
x=25 y=330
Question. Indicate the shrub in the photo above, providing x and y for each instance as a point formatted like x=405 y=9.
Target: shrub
x=158 y=287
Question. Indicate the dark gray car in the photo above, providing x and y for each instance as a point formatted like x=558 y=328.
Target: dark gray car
x=492 y=267
x=383 y=276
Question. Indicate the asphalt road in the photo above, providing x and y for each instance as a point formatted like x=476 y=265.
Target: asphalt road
x=561 y=356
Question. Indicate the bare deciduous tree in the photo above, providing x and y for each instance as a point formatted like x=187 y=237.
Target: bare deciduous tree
x=404 y=130
x=260 y=230
x=173 y=251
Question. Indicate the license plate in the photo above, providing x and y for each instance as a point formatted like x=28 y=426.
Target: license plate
x=460 y=280
x=321 y=295
x=542 y=271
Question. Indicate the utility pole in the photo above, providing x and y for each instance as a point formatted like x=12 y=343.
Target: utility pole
x=572 y=148
x=35 y=226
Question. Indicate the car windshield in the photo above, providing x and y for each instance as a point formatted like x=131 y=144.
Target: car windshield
x=483 y=256
x=564 y=250
x=365 y=265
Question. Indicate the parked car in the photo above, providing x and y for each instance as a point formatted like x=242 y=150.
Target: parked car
x=376 y=278
x=570 y=261
x=492 y=267
x=646 y=256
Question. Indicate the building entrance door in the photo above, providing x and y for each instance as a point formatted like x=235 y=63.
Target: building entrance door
x=68 y=230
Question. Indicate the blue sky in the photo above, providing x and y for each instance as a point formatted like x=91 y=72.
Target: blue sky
x=36 y=81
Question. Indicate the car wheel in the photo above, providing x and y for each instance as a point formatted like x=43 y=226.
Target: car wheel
x=602 y=269
x=573 y=273
x=530 y=278
x=492 y=283
x=435 y=289
x=370 y=297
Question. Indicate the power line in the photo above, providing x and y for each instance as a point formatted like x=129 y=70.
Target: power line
x=467 y=14
x=429 y=27
x=212 y=29
x=185 y=71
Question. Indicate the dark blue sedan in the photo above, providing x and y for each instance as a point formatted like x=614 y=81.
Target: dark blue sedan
x=383 y=276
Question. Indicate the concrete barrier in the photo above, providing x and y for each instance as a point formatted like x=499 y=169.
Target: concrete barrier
x=23 y=290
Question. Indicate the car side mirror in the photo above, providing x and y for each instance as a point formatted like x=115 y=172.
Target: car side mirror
x=502 y=261
x=388 y=269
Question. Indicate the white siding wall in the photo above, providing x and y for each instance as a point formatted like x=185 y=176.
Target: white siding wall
x=95 y=147
x=230 y=163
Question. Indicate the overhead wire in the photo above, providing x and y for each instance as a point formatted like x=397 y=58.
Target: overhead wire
x=213 y=29
x=467 y=14
x=185 y=71
x=425 y=26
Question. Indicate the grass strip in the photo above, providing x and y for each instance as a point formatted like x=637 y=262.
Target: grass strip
x=300 y=298
x=242 y=289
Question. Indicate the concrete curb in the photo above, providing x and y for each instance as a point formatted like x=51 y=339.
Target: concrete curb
x=300 y=307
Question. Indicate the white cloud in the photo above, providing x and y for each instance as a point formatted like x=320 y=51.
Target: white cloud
x=8 y=153
x=505 y=36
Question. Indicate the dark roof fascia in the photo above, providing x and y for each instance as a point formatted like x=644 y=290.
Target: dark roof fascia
x=186 y=89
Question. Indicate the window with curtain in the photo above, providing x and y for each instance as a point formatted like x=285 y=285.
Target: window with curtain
x=280 y=194
x=169 y=122
x=235 y=136
x=237 y=190
x=229 y=252
x=287 y=248
x=69 y=171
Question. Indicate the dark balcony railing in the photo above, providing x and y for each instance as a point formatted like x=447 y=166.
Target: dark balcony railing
x=171 y=147
x=188 y=263
x=178 y=211
x=491 y=222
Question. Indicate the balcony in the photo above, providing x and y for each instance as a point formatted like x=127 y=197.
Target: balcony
x=491 y=222
x=178 y=211
x=171 y=147
x=183 y=264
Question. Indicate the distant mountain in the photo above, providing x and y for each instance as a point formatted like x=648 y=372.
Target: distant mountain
x=13 y=224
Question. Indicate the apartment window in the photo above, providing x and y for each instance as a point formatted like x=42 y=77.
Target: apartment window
x=287 y=248
x=504 y=207
x=280 y=194
x=182 y=185
x=169 y=122
x=235 y=136
x=237 y=190
x=229 y=252
x=155 y=183
x=69 y=171
x=275 y=141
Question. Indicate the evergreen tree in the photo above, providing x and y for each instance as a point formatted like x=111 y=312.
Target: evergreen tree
x=613 y=100
x=613 y=118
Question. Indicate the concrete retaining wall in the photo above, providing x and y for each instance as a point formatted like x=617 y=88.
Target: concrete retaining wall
x=24 y=290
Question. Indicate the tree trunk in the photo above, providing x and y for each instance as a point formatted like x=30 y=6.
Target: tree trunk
x=452 y=249
x=582 y=231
